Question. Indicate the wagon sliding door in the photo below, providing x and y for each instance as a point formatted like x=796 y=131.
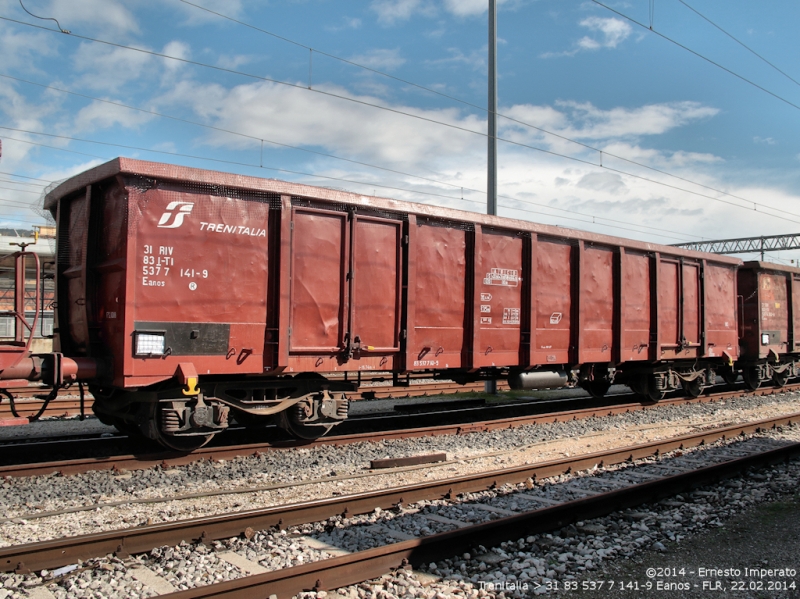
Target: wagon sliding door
x=376 y=269
x=319 y=254
x=345 y=290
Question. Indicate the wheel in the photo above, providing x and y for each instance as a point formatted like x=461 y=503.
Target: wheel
x=182 y=444
x=653 y=393
x=751 y=377
x=635 y=383
x=597 y=388
x=291 y=420
x=295 y=419
x=780 y=378
x=693 y=388
x=729 y=375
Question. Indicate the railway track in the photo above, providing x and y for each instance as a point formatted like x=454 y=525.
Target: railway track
x=67 y=403
x=18 y=460
x=512 y=507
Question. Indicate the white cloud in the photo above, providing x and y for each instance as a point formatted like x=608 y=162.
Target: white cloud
x=298 y=117
x=344 y=24
x=590 y=122
x=470 y=8
x=465 y=8
x=613 y=32
x=660 y=158
x=21 y=49
x=764 y=140
x=392 y=11
x=476 y=59
x=380 y=59
x=177 y=49
x=197 y=16
x=99 y=115
x=234 y=61
x=102 y=14
x=607 y=182
x=107 y=68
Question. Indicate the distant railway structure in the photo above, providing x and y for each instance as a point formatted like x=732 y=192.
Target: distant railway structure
x=744 y=245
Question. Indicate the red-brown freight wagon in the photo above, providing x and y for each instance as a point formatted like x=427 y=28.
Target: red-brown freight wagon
x=770 y=322
x=185 y=296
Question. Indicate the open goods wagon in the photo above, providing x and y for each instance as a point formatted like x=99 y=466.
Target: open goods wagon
x=769 y=296
x=186 y=296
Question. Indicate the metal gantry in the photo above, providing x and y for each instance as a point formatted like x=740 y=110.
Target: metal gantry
x=764 y=243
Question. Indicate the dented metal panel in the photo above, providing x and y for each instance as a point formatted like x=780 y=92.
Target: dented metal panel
x=668 y=301
x=323 y=271
x=636 y=309
x=794 y=342
x=319 y=269
x=690 y=318
x=375 y=305
x=553 y=293
x=769 y=319
x=498 y=302
x=73 y=271
x=436 y=322
x=198 y=255
x=597 y=305
x=720 y=311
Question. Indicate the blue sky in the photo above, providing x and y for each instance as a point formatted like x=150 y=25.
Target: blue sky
x=703 y=138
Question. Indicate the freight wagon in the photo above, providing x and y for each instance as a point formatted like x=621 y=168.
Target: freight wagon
x=769 y=296
x=187 y=298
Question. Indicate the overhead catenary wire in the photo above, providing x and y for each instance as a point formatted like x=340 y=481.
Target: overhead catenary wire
x=20 y=190
x=2 y=180
x=328 y=155
x=476 y=106
x=738 y=41
x=368 y=184
x=702 y=57
x=47 y=181
x=415 y=116
x=60 y=28
x=18 y=203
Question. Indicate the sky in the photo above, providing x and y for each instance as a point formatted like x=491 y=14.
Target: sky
x=667 y=121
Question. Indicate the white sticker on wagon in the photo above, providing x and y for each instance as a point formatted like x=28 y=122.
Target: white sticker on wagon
x=505 y=277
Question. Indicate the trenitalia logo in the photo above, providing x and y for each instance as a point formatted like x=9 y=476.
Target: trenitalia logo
x=178 y=210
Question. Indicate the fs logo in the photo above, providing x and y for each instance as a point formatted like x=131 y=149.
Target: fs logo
x=178 y=210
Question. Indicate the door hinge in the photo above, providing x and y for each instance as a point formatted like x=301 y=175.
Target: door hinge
x=404 y=333
x=405 y=239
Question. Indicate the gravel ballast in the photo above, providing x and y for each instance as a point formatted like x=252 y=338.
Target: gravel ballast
x=577 y=553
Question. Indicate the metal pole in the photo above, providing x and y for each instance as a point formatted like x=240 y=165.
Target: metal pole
x=491 y=186
x=491 y=176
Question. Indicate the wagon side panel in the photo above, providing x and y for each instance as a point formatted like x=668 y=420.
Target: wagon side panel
x=553 y=302
x=440 y=289
x=635 y=285
x=197 y=275
x=720 y=311
x=597 y=305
